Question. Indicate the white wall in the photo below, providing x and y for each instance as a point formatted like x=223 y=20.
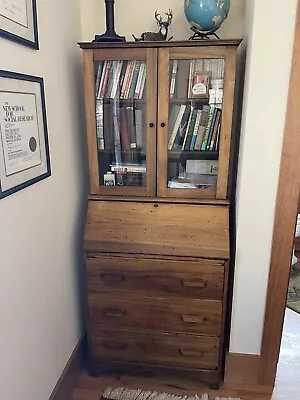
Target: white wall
x=136 y=16
x=40 y=225
x=266 y=86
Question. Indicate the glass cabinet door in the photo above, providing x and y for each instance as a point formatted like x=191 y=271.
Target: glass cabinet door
x=122 y=119
x=193 y=136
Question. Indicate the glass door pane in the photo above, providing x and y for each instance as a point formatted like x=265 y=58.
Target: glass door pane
x=195 y=114
x=121 y=122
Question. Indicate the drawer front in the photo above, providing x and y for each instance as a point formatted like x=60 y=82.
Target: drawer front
x=194 y=279
x=155 y=348
x=160 y=314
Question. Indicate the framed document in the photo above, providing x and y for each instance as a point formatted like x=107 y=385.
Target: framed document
x=18 y=21
x=24 y=149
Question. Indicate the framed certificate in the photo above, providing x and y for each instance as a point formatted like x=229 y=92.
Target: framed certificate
x=24 y=149
x=18 y=21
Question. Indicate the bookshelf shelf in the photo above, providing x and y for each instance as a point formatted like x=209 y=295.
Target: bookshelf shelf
x=193 y=155
x=157 y=230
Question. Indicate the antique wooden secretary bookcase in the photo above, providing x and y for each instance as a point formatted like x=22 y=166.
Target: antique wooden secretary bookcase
x=156 y=241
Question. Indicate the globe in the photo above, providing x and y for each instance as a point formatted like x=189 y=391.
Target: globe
x=206 y=16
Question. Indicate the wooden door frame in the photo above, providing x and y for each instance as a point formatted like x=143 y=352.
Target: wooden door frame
x=284 y=224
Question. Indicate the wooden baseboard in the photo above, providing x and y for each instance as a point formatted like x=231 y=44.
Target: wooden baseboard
x=66 y=383
x=242 y=373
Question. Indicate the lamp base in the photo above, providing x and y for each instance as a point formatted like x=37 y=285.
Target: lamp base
x=109 y=36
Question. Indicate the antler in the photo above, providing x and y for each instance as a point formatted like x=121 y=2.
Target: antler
x=158 y=18
x=169 y=14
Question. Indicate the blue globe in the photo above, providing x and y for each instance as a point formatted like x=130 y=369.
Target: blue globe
x=206 y=15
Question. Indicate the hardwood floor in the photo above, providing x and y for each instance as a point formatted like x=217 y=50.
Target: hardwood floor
x=287 y=384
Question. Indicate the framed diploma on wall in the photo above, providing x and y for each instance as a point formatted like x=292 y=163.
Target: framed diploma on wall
x=24 y=148
x=18 y=21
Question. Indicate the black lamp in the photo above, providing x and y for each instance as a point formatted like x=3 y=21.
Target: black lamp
x=110 y=34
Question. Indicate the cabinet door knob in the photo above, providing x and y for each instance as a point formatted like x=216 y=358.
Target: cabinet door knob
x=163 y=124
x=151 y=124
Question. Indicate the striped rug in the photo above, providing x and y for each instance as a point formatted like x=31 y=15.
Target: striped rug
x=121 y=393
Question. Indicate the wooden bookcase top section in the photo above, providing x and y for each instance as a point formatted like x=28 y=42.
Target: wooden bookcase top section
x=154 y=44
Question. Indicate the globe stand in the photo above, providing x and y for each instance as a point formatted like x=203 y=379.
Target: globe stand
x=198 y=35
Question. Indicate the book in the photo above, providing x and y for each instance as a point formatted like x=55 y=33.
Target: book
x=108 y=126
x=139 y=128
x=116 y=78
x=143 y=84
x=207 y=128
x=139 y=80
x=116 y=131
x=183 y=79
x=98 y=78
x=99 y=124
x=135 y=76
x=176 y=126
x=174 y=110
x=189 y=130
x=196 y=128
x=215 y=129
x=173 y=79
x=182 y=129
x=202 y=167
x=202 y=125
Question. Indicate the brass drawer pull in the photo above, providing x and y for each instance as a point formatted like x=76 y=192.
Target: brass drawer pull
x=112 y=277
x=114 y=312
x=110 y=344
x=194 y=283
x=193 y=319
x=190 y=353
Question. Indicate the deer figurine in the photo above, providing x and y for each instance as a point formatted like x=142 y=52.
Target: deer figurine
x=163 y=31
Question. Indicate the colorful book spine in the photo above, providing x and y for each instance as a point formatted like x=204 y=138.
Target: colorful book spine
x=99 y=124
x=139 y=80
x=207 y=128
x=196 y=128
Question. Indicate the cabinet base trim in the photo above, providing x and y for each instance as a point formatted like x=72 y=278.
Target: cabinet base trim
x=97 y=366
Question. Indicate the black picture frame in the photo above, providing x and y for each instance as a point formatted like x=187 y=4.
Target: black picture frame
x=40 y=120
x=18 y=32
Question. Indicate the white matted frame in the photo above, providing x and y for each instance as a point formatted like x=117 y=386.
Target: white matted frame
x=24 y=148
x=18 y=21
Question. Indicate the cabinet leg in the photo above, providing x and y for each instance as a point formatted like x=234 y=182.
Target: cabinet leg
x=214 y=386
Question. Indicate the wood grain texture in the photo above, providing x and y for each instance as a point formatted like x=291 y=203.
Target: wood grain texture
x=186 y=53
x=219 y=202
x=161 y=314
x=166 y=229
x=184 y=278
x=284 y=224
x=155 y=348
x=151 y=96
x=163 y=117
x=89 y=89
x=242 y=369
x=172 y=43
x=120 y=54
x=226 y=126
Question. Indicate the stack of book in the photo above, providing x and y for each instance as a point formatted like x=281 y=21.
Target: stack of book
x=194 y=129
x=120 y=79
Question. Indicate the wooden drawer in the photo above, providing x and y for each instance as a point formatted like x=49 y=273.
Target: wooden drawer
x=192 y=278
x=156 y=228
x=162 y=314
x=155 y=348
